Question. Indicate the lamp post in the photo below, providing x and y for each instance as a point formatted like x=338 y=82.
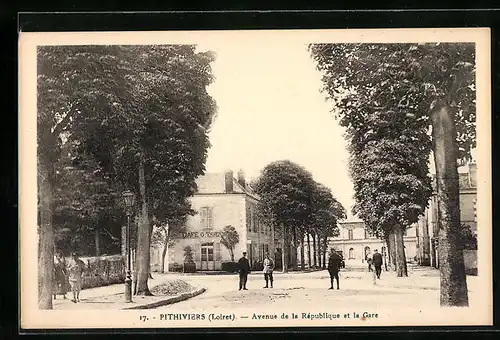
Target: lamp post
x=129 y=198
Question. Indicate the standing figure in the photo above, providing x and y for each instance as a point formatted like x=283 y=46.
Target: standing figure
x=370 y=262
x=268 y=270
x=244 y=270
x=334 y=264
x=61 y=282
x=377 y=262
x=75 y=270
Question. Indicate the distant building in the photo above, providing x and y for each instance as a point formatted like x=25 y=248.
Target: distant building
x=221 y=200
x=421 y=239
x=356 y=243
x=427 y=232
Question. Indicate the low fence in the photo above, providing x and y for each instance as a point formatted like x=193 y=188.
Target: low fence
x=103 y=271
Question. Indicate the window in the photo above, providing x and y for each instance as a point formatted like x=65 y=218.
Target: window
x=254 y=221
x=206 y=214
x=367 y=235
x=350 y=234
x=351 y=253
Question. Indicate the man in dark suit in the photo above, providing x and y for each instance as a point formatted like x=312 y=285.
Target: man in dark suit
x=377 y=263
x=244 y=270
x=334 y=264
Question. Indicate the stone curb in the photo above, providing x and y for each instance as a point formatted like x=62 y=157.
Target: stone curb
x=169 y=301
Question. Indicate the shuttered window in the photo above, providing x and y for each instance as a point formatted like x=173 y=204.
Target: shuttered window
x=207 y=218
x=197 y=253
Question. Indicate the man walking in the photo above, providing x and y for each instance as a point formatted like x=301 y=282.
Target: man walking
x=75 y=270
x=334 y=263
x=244 y=270
x=268 y=270
x=377 y=263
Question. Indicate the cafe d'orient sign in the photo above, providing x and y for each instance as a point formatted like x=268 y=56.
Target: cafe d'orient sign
x=203 y=233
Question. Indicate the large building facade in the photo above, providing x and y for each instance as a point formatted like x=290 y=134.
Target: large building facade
x=221 y=200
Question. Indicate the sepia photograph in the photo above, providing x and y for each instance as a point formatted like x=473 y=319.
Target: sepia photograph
x=268 y=178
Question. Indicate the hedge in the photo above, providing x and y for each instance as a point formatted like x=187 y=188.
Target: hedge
x=103 y=271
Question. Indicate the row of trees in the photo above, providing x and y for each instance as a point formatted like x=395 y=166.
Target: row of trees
x=112 y=118
x=387 y=96
x=297 y=207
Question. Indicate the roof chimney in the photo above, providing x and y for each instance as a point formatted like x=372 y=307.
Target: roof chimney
x=241 y=178
x=228 y=176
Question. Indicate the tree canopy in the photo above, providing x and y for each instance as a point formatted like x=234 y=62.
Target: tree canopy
x=134 y=111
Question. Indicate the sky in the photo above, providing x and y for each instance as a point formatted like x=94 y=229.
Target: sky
x=270 y=108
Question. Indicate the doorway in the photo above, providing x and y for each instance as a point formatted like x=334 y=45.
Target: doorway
x=207 y=256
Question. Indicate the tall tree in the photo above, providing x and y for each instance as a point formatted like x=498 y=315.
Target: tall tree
x=327 y=211
x=434 y=84
x=169 y=142
x=66 y=93
x=142 y=111
x=392 y=186
x=285 y=191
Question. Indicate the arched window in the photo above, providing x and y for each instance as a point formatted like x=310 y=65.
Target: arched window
x=351 y=253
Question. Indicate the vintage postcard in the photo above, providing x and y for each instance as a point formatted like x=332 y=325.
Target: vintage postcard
x=267 y=178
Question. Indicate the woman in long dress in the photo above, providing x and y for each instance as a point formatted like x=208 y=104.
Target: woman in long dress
x=61 y=283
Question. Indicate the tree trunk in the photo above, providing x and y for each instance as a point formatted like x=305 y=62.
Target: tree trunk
x=231 y=252
x=285 y=251
x=392 y=246
x=314 y=250
x=143 y=239
x=319 y=252
x=150 y=235
x=97 y=240
x=302 y=254
x=451 y=261
x=45 y=239
x=325 y=245
x=164 y=253
x=308 y=251
x=388 y=251
x=401 y=269
x=294 y=248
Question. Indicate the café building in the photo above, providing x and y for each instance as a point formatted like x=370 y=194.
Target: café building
x=221 y=199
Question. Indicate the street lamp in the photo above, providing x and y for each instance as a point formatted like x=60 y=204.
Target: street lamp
x=129 y=199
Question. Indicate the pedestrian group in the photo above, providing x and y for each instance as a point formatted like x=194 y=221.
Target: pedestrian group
x=68 y=276
x=335 y=261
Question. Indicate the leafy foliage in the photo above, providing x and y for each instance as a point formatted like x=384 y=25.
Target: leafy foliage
x=230 y=238
x=383 y=95
x=119 y=105
x=468 y=238
x=188 y=254
x=383 y=83
x=285 y=190
x=290 y=198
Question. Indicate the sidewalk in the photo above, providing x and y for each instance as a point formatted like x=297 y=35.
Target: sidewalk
x=113 y=296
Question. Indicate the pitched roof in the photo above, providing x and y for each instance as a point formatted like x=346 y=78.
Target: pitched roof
x=215 y=183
